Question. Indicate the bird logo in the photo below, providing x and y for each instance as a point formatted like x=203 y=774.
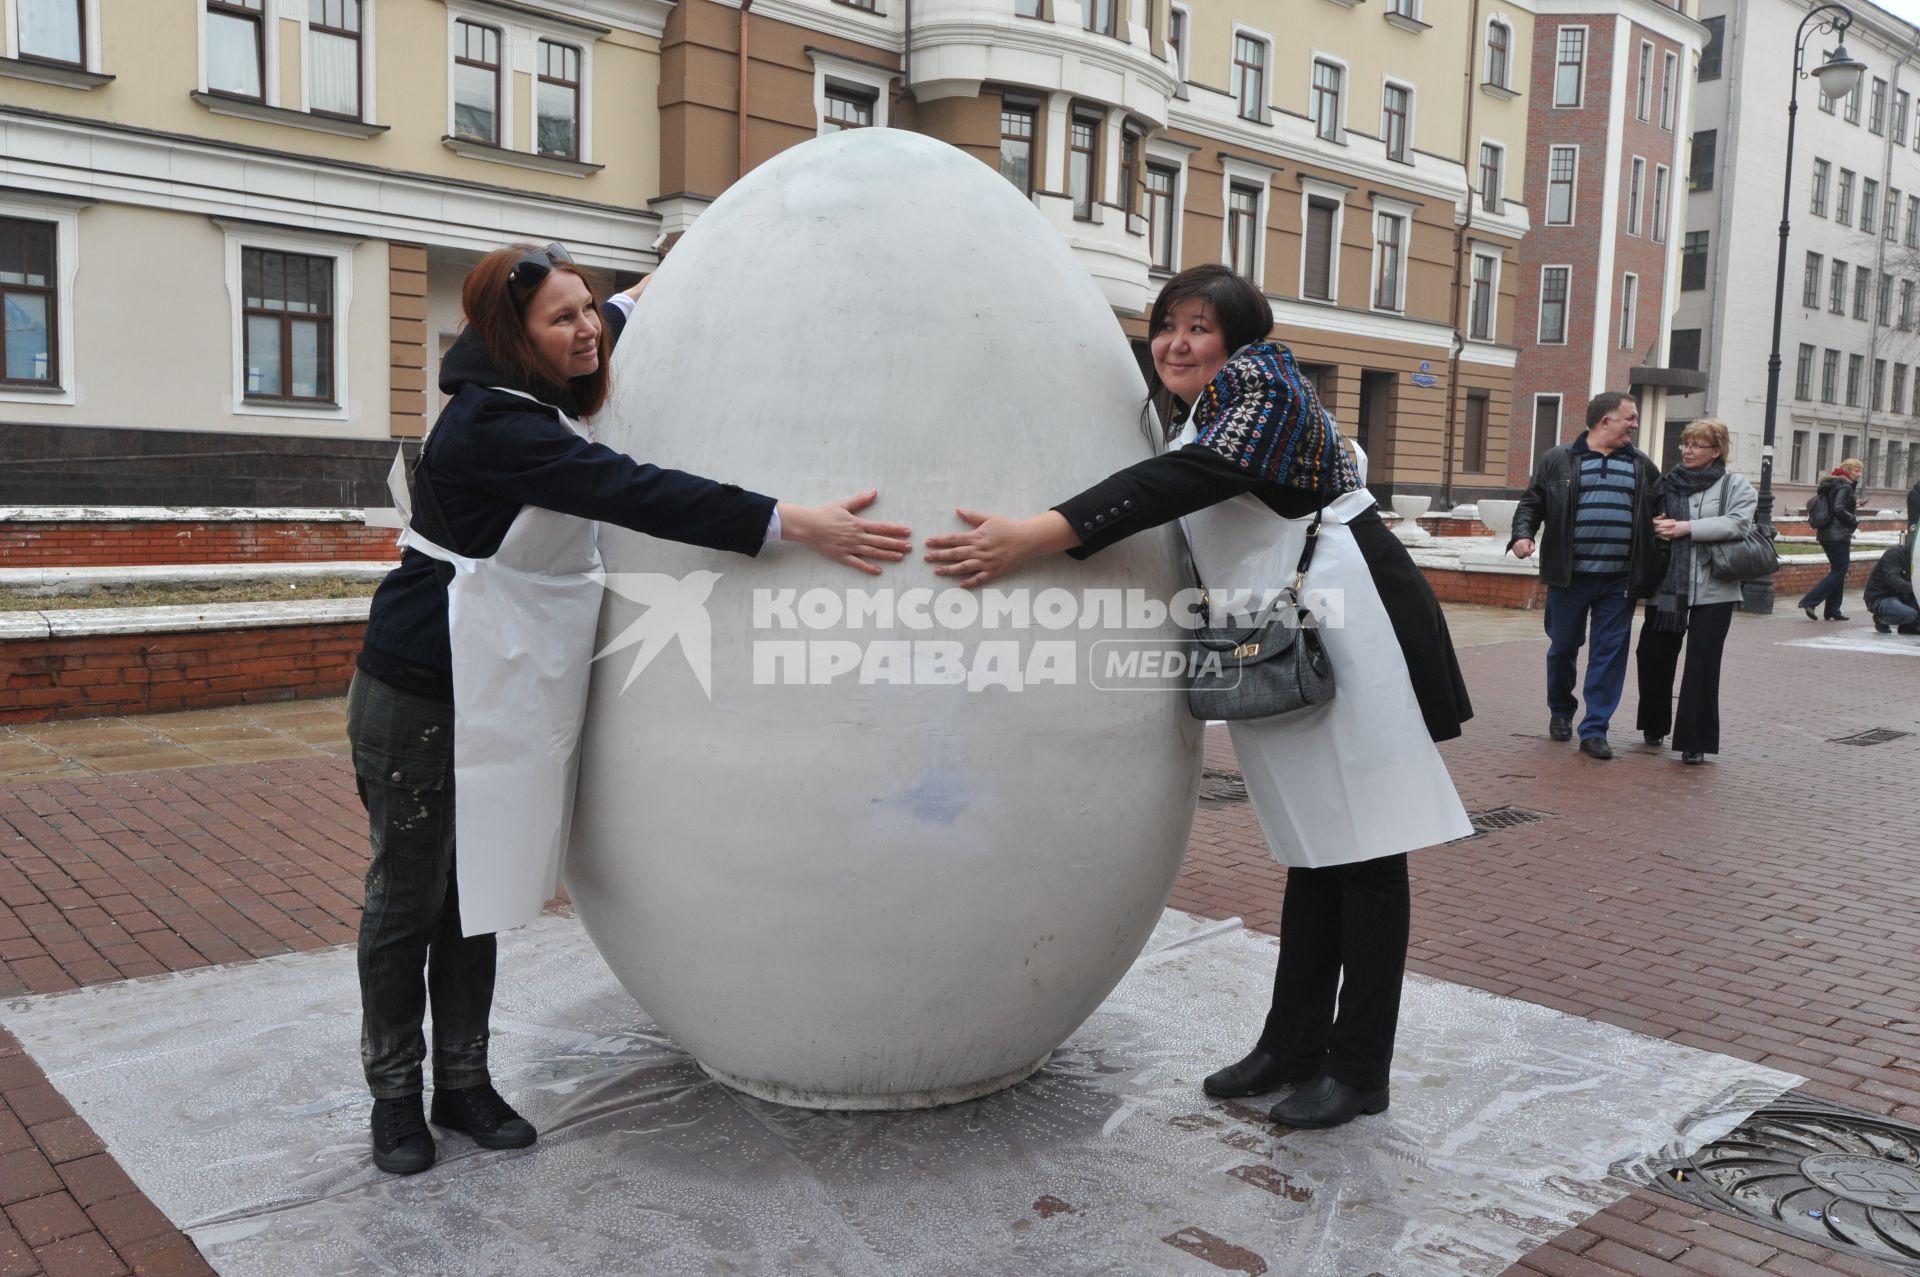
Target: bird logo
x=674 y=608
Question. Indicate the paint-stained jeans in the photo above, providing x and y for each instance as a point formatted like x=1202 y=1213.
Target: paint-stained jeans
x=411 y=949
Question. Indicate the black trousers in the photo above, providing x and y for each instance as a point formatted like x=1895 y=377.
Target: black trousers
x=1833 y=586
x=1696 y=729
x=1343 y=958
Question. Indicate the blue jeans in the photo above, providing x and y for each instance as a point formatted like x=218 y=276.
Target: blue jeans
x=411 y=949
x=1895 y=613
x=1602 y=603
x=1834 y=584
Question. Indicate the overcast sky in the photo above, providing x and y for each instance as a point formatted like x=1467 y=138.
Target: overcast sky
x=1907 y=10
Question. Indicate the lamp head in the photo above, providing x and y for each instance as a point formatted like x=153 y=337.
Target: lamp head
x=1839 y=73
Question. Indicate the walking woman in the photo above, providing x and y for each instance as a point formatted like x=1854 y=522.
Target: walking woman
x=1838 y=495
x=1699 y=502
x=1343 y=793
x=476 y=656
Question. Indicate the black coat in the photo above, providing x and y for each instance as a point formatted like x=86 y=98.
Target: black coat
x=1892 y=577
x=1913 y=505
x=1545 y=516
x=1843 y=499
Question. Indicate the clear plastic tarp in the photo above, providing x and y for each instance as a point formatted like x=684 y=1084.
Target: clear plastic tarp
x=233 y=1097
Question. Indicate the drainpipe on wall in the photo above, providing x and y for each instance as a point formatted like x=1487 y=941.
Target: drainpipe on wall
x=906 y=51
x=1458 y=344
x=741 y=148
x=1874 y=327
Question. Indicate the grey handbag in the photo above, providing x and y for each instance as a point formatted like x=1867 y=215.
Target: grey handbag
x=1750 y=558
x=1274 y=666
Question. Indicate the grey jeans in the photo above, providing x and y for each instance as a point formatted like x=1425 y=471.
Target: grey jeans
x=411 y=951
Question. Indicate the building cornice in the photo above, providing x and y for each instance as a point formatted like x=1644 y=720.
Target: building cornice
x=1651 y=14
x=881 y=30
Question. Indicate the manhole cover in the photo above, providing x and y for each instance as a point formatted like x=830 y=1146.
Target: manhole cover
x=1220 y=787
x=1878 y=736
x=1485 y=822
x=1846 y=1180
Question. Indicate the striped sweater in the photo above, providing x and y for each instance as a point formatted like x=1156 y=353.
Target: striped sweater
x=1603 y=520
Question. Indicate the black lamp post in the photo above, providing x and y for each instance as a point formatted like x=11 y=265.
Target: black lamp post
x=1837 y=75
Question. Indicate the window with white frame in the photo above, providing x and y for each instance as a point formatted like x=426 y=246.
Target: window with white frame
x=1499 y=54
x=1243 y=230
x=1098 y=15
x=1390 y=234
x=1629 y=307
x=557 y=122
x=51 y=31
x=1890 y=225
x=1901 y=101
x=1083 y=167
x=1843 y=201
x=1027 y=9
x=1821 y=171
x=1862 y=290
x=1493 y=164
x=1179 y=23
x=1912 y=237
x=1852 y=112
x=1810 y=281
x=1906 y=305
x=1396 y=119
x=1877 y=107
x=1546 y=424
x=847 y=108
x=1803 y=373
x=1552 y=330
x=1320 y=246
x=1856 y=366
x=1016 y=143
x=1837 y=288
x=1250 y=75
x=334 y=58
x=1404 y=8
x=1661 y=183
x=1643 y=95
x=1636 y=187
x=1883 y=300
x=1484 y=305
x=288 y=314
x=1829 y=378
x=476 y=82
x=1570 y=66
x=1869 y=203
x=236 y=33
x=1323 y=108
x=1562 y=167
x=847 y=93
x=1163 y=189
x=1669 y=77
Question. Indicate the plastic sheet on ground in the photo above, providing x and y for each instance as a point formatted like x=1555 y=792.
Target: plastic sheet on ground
x=232 y=1096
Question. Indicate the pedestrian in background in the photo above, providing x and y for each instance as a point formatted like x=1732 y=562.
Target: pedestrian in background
x=1698 y=502
x=1589 y=505
x=1833 y=513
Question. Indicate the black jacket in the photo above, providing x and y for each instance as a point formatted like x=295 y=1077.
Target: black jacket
x=1843 y=498
x=491 y=453
x=1892 y=577
x=1913 y=505
x=1545 y=516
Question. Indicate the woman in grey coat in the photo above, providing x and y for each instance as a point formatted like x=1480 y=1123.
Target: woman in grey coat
x=1698 y=502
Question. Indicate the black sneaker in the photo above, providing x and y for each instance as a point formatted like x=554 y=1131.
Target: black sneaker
x=479 y=1112
x=402 y=1145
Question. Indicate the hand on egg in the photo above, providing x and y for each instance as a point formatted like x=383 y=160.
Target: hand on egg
x=836 y=531
x=996 y=546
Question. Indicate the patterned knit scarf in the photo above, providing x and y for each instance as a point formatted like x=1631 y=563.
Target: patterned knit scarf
x=1262 y=415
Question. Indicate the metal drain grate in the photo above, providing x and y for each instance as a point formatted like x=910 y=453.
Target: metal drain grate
x=1221 y=788
x=1878 y=736
x=1846 y=1180
x=1485 y=822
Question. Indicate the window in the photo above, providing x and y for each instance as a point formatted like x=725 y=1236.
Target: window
x=1669 y=73
x=1324 y=108
x=1899 y=386
x=1484 y=307
x=1821 y=171
x=1660 y=204
x=1129 y=170
x=1176 y=42
x=1083 y=145
x=1683 y=349
x=1404 y=8
x=1829 y=373
x=1710 y=53
x=1553 y=305
x=1877 y=107
x=1862 y=285
x=1499 y=53
x=1396 y=114
x=1869 y=200
x=236 y=48
x=1901 y=101
x=1643 y=94
x=1243 y=222
x=1855 y=363
x=1843 y=203
x=1570 y=69
x=287 y=312
x=1636 y=183
x=1099 y=15
x=1492 y=164
x=1250 y=77
x=1823 y=454
x=1546 y=424
x=857 y=4
x=1799 y=462
x=1317 y=263
x=557 y=129
x=1561 y=166
x=1837 y=288
x=846 y=109
x=1810 y=290
x=1026 y=8
x=28 y=297
x=1390 y=247
x=1475 y=447
x=333 y=57
x=1912 y=239
x=1016 y=145
x=476 y=82
x=1803 y=373
x=1700 y=162
x=1693 y=262
x=1876 y=393
x=1629 y=306
x=1826 y=103
x=1890 y=226
x=1852 y=113
x=1906 y=305
x=1162 y=182
x=53 y=31
x=1883 y=301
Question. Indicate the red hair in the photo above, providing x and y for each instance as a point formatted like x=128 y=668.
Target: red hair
x=490 y=309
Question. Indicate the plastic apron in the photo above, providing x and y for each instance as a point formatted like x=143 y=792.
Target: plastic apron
x=521 y=624
x=1360 y=779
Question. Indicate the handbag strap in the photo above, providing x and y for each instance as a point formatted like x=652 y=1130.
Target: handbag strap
x=1300 y=568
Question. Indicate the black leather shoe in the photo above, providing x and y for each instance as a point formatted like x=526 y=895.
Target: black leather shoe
x=1560 y=728
x=1910 y=629
x=1692 y=758
x=402 y=1145
x=1811 y=614
x=1839 y=616
x=479 y=1111
x=1596 y=747
x=1327 y=1102
x=1654 y=739
x=1257 y=1074
x=1881 y=627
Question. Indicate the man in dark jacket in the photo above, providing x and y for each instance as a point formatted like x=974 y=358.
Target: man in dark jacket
x=1590 y=507
x=1890 y=590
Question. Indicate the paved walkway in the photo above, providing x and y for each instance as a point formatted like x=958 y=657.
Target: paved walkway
x=1761 y=906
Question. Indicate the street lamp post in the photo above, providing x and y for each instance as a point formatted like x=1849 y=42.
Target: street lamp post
x=1837 y=75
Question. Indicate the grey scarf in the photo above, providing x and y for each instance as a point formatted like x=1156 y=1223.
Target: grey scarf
x=1675 y=493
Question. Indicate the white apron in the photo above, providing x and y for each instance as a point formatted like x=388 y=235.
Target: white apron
x=521 y=624
x=1361 y=778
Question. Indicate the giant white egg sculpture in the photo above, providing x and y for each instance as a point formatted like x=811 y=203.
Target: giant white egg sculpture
x=866 y=885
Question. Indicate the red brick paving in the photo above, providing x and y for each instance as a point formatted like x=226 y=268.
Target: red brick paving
x=1760 y=906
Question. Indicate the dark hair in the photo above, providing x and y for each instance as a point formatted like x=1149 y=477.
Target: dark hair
x=1603 y=404
x=488 y=304
x=1242 y=309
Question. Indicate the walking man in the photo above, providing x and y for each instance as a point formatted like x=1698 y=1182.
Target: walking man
x=1589 y=506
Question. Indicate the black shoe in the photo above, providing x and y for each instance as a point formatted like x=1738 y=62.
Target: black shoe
x=1560 y=728
x=1811 y=614
x=1257 y=1074
x=1596 y=747
x=1838 y=616
x=402 y=1145
x=1693 y=758
x=1655 y=739
x=1881 y=627
x=479 y=1111
x=1913 y=628
x=1326 y=1102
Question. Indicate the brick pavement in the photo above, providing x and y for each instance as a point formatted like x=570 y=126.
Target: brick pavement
x=1760 y=906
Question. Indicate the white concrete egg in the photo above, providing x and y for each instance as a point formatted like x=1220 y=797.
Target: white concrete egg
x=866 y=886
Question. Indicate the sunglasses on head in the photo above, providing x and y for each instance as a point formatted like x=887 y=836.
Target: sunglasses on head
x=532 y=269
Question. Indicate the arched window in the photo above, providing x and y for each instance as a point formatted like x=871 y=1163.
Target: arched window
x=1499 y=53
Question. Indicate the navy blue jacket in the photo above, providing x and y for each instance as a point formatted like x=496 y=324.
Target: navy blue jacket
x=490 y=454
